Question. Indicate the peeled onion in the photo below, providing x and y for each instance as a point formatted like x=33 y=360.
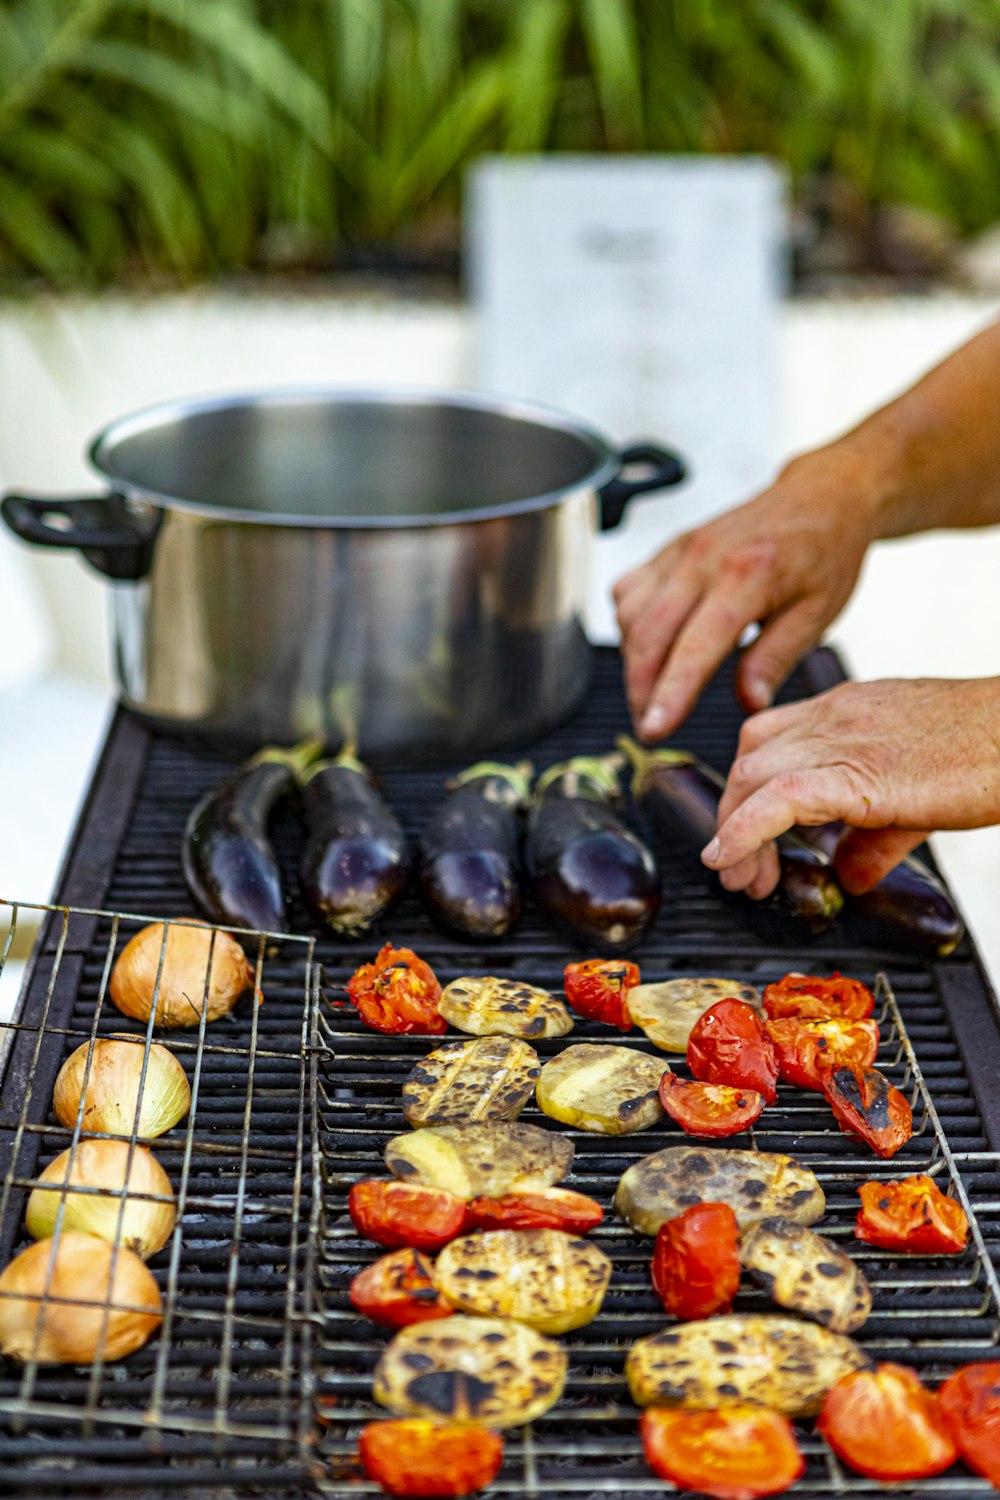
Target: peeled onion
x=73 y=1330
x=113 y=1088
x=182 y=981
x=145 y=1226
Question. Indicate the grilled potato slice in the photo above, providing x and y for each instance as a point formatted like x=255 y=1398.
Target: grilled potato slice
x=471 y=1370
x=755 y=1184
x=503 y=1007
x=610 y=1090
x=550 y=1280
x=807 y=1273
x=490 y=1078
x=667 y=1012
x=768 y=1361
x=491 y=1157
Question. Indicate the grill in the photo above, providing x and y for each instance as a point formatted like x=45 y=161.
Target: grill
x=262 y=1374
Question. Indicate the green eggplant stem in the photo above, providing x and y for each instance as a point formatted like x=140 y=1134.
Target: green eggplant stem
x=518 y=777
x=645 y=762
x=298 y=758
x=599 y=773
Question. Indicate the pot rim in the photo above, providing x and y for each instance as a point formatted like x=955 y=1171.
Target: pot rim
x=606 y=462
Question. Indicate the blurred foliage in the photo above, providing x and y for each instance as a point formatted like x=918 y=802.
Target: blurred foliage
x=183 y=138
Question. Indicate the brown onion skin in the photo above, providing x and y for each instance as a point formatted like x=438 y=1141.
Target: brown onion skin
x=144 y=1227
x=113 y=1088
x=182 y=981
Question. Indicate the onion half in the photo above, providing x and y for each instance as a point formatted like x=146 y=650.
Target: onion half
x=113 y=1088
x=182 y=980
x=145 y=1225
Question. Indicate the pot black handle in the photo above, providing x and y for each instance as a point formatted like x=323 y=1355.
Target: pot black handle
x=667 y=468
x=113 y=539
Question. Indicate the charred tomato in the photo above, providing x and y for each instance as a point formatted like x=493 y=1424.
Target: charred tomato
x=597 y=989
x=912 y=1216
x=696 y=1262
x=397 y=993
x=412 y=1457
x=398 y=1290
x=735 y=1453
x=808 y=1050
x=816 y=999
x=709 y=1109
x=970 y=1404
x=728 y=1044
x=866 y=1104
x=395 y=1214
x=885 y=1424
x=551 y=1208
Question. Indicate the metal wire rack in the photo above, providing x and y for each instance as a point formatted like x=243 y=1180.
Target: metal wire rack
x=228 y=1365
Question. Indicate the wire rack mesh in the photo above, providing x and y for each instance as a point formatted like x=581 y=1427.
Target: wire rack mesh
x=229 y=1359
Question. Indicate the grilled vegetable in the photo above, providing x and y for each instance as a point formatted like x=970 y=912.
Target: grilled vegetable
x=668 y=1011
x=552 y=1208
x=908 y=909
x=488 y=1006
x=884 y=1423
x=680 y=795
x=468 y=859
x=597 y=989
x=729 y=1045
x=414 y=1458
x=398 y=1290
x=398 y=993
x=808 y=1050
x=490 y=1078
x=355 y=865
x=912 y=1216
x=471 y=1370
x=739 y=1453
x=610 y=1090
x=397 y=1214
x=709 y=1109
x=806 y=1273
x=230 y=867
x=696 y=1262
x=542 y=1277
x=970 y=1404
x=767 y=1361
x=486 y=1159
x=865 y=1104
x=590 y=874
x=808 y=997
x=755 y=1184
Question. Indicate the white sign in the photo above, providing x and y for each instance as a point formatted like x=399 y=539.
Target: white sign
x=639 y=294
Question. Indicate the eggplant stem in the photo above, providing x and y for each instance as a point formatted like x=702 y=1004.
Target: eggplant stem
x=645 y=762
x=600 y=772
x=517 y=777
x=297 y=758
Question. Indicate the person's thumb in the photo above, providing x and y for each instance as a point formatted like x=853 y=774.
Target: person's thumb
x=866 y=855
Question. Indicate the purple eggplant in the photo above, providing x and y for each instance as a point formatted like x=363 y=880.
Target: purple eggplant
x=468 y=865
x=356 y=863
x=590 y=874
x=908 y=909
x=229 y=864
x=680 y=794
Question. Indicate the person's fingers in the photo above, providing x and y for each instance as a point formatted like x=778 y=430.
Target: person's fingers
x=652 y=640
x=780 y=646
x=811 y=796
x=739 y=877
x=760 y=728
x=757 y=876
x=866 y=855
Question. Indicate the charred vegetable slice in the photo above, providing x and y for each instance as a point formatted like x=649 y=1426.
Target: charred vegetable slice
x=550 y=1280
x=230 y=867
x=607 y=1089
x=488 y=1006
x=866 y=1105
x=806 y=1273
x=483 y=1159
x=398 y=1290
x=911 y=1217
x=668 y=1011
x=491 y=1077
x=590 y=874
x=768 y=1361
x=468 y=866
x=471 y=1370
x=355 y=865
x=755 y=1184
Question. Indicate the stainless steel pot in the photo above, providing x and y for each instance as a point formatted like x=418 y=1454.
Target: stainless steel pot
x=408 y=569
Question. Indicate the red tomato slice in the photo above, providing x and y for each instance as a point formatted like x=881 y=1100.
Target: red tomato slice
x=728 y=1044
x=413 y=1457
x=885 y=1424
x=912 y=1216
x=696 y=1261
x=552 y=1208
x=813 y=998
x=709 y=1109
x=398 y=1290
x=970 y=1403
x=807 y=1050
x=866 y=1104
x=735 y=1453
x=404 y=1213
x=597 y=987
x=398 y=993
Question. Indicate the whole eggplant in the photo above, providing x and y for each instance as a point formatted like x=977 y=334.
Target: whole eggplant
x=908 y=909
x=680 y=795
x=468 y=860
x=356 y=863
x=229 y=864
x=593 y=876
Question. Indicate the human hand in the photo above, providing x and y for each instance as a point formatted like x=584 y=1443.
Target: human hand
x=890 y=759
x=787 y=560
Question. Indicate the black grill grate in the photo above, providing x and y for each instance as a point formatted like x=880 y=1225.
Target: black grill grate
x=931 y=1314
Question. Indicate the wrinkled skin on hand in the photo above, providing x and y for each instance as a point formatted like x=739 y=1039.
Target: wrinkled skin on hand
x=891 y=759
